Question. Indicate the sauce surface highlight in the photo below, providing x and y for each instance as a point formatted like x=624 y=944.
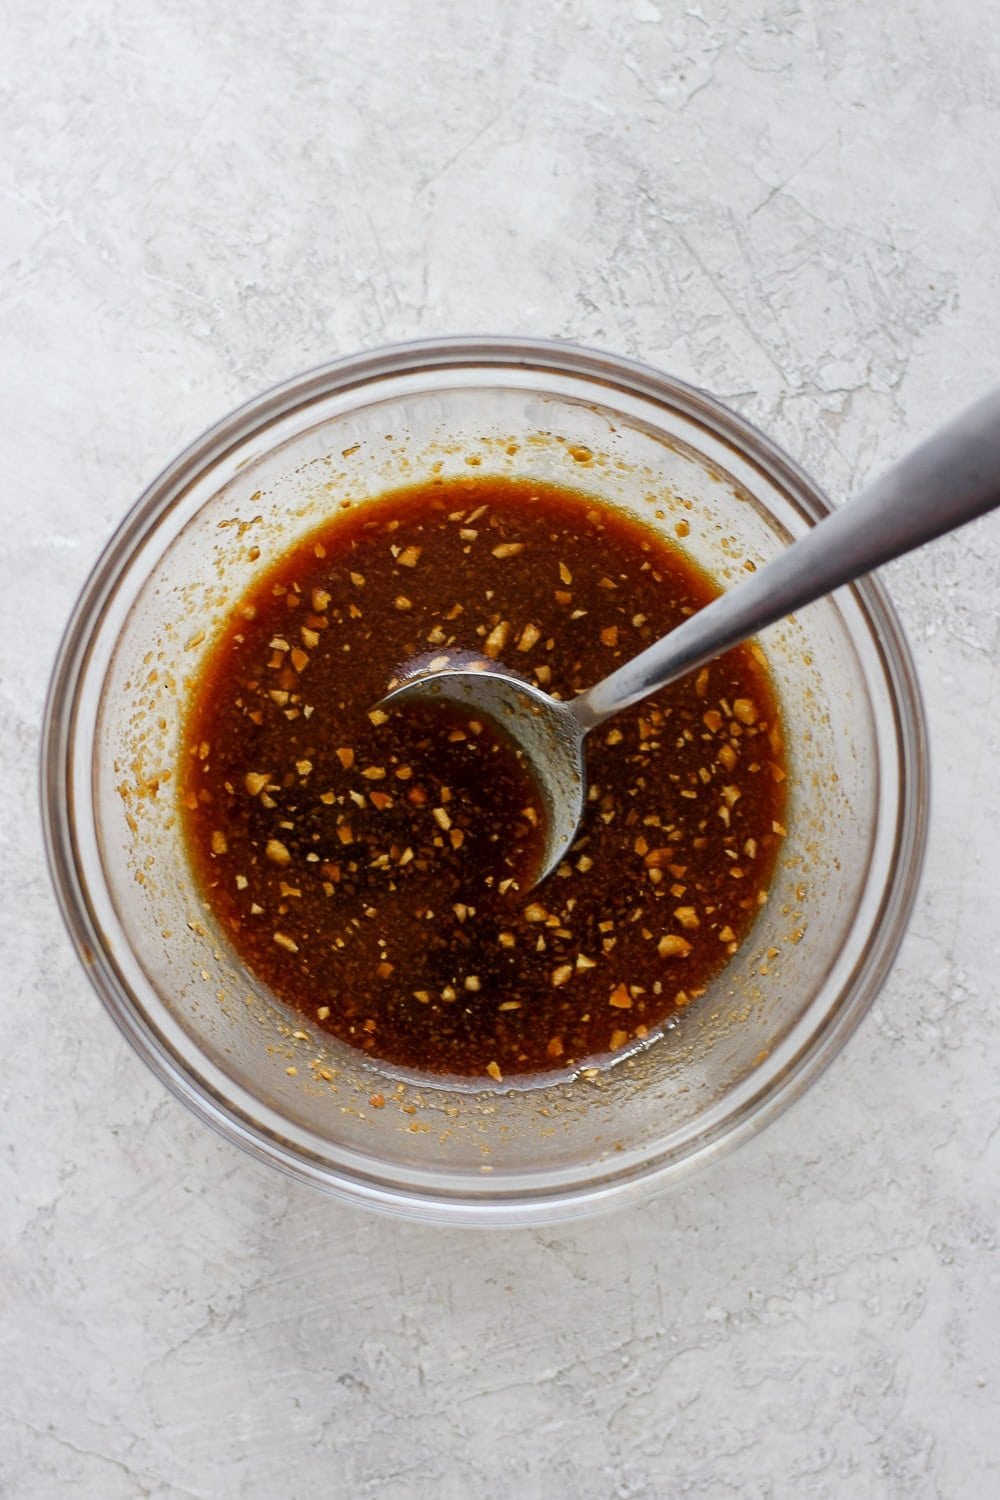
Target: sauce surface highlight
x=370 y=868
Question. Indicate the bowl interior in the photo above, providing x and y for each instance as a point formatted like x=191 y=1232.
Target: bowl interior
x=183 y=559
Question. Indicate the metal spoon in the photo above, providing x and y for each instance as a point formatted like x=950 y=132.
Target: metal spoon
x=950 y=479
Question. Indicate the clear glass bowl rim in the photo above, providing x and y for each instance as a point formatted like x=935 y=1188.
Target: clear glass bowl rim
x=417 y=1200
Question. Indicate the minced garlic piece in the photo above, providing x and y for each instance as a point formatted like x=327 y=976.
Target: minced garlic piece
x=277 y=852
x=672 y=945
x=497 y=639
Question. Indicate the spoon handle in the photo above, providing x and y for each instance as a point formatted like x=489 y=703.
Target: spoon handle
x=951 y=478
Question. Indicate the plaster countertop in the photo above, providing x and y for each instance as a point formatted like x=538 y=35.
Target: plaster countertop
x=794 y=206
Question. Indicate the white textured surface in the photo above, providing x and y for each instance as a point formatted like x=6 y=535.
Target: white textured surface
x=794 y=205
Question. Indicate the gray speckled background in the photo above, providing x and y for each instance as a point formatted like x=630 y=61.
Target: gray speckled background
x=794 y=205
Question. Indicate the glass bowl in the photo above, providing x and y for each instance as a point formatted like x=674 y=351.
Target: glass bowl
x=234 y=501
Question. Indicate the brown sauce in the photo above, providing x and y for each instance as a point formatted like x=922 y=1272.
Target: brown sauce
x=371 y=870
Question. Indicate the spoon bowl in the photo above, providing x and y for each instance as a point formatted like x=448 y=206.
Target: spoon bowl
x=546 y=734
